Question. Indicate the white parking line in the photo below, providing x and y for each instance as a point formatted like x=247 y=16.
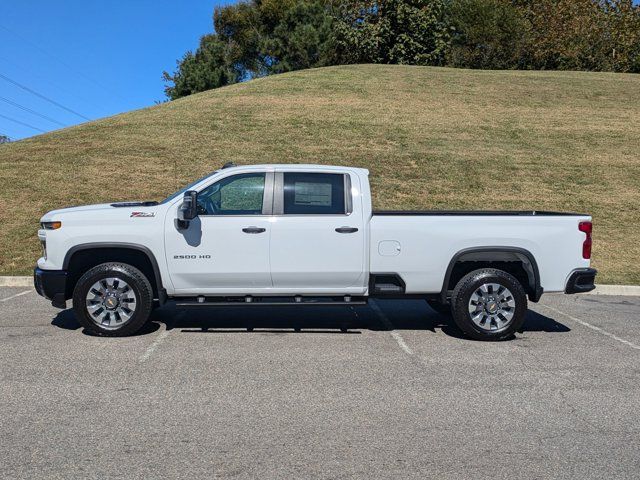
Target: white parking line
x=16 y=295
x=594 y=328
x=400 y=341
x=387 y=323
x=151 y=348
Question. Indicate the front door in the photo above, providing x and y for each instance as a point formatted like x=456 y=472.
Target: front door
x=226 y=248
x=318 y=234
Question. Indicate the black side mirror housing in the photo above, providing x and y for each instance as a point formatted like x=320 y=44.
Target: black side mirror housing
x=189 y=208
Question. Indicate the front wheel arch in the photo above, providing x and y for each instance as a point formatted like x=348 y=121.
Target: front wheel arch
x=81 y=258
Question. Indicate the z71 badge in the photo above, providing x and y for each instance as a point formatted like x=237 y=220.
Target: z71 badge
x=143 y=214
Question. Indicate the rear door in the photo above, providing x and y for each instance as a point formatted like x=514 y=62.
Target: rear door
x=317 y=234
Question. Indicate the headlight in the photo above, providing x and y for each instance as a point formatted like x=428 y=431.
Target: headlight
x=51 y=225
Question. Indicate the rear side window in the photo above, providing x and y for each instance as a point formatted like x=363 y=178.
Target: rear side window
x=314 y=194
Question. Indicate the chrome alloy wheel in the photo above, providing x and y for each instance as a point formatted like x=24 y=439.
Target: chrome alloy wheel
x=492 y=306
x=111 y=303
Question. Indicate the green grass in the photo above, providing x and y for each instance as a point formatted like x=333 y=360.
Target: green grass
x=432 y=138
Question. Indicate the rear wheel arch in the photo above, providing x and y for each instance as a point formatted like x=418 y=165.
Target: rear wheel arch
x=80 y=258
x=519 y=262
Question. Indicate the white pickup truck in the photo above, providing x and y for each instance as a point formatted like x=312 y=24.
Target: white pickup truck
x=304 y=235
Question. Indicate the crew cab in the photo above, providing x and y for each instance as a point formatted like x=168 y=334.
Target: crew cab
x=304 y=235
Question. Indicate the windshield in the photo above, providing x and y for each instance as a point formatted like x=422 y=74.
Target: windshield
x=184 y=189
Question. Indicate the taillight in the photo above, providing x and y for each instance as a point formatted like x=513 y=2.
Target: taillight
x=586 y=227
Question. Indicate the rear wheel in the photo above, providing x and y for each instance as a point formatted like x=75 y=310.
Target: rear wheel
x=113 y=299
x=489 y=304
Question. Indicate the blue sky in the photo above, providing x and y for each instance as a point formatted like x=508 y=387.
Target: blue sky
x=95 y=58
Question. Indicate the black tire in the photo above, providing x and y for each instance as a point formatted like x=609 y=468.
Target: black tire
x=469 y=285
x=137 y=282
x=439 y=307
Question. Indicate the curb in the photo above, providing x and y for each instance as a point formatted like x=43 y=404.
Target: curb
x=622 y=290
x=16 y=281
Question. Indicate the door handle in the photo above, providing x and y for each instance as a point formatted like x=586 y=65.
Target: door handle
x=254 y=230
x=346 y=229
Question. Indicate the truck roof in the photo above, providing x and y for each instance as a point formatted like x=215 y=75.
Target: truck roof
x=296 y=166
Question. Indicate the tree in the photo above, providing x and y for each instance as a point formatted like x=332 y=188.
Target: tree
x=275 y=36
x=564 y=34
x=4 y=139
x=303 y=38
x=490 y=34
x=392 y=31
x=241 y=28
x=207 y=68
x=256 y=38
x=622 y=43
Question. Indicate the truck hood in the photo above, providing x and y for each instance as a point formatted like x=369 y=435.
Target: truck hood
x=56 y=214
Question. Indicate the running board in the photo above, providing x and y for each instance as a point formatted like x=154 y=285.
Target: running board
x=203 y=301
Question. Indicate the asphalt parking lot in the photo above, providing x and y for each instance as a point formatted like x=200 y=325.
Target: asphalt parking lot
x=401 y=395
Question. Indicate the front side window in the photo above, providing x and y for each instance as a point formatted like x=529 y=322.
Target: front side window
x=314 y=193
x=236 y=195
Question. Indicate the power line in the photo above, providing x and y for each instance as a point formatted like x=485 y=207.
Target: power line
x=26 y=109
x=19 y=85
x=44 y=52
x=22 y=123
x=49 y=83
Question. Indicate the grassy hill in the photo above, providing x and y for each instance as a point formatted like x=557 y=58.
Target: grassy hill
x=432 y=138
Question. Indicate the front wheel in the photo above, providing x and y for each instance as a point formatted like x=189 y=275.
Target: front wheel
x=113 y=300
x=489 y=304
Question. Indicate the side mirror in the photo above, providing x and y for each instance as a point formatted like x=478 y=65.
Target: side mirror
x=189 y=208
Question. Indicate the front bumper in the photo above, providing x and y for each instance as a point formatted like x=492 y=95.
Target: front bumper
x=581 y=280
x=52 y=285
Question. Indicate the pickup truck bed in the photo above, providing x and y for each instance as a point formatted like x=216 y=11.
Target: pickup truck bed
x=480 y=213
